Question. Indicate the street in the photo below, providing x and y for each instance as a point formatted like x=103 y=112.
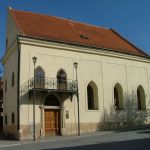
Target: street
x=102 y=140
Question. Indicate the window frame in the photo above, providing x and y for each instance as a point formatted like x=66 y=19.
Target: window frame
x=118 y=97
x=141 y=102
x=39 y=77
x=61 y=79
x=95 y=103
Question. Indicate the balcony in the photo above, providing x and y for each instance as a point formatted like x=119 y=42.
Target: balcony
x=49 y=84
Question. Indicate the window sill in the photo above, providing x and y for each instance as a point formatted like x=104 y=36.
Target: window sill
x=119 y=109
x=93 y=110
x=143 y=110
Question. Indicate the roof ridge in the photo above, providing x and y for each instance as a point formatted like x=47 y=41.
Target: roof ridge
x=36 y=13
x=83 y=23
x=98 y=36
x=16 y=21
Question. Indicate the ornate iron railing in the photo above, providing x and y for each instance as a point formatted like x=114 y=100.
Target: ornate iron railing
x=49 y=84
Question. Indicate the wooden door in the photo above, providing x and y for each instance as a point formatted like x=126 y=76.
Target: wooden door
x=52 y=122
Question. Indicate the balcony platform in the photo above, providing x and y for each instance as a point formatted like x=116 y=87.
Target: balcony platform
x=49 y=85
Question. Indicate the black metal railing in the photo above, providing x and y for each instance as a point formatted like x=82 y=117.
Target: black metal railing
x=49 y=84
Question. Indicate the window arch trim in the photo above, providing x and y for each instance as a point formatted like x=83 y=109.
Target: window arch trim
x=62 y=74
x=39 y=77
x=39 y=72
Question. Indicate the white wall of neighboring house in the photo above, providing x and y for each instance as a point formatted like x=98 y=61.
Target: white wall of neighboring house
x=10 y=95
x=10 y=64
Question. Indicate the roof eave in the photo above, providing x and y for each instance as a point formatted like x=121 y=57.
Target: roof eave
x=88 y=46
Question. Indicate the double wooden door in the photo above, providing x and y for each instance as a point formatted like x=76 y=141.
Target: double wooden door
x=52 y=121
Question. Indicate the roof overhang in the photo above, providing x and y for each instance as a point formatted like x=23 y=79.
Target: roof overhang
x=81 y=48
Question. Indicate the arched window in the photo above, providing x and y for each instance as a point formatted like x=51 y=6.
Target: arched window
x=141 y=98
x=92 y=96
x=118 y=97
x=61 y=80
x=51 y=100
x=39 y=77
x=12 y=79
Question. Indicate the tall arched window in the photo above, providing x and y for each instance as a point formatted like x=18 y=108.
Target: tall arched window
x=12 y=79
x=61 y=80
x=92 y=96
x=118 y=97
x=141 y=98
x=39 y=77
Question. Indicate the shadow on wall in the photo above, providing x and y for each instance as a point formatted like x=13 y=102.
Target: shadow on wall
x=129 y=117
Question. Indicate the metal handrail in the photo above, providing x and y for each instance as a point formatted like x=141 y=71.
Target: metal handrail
x=49 y=84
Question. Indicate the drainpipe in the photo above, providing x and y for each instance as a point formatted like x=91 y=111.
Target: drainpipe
x=18 y=90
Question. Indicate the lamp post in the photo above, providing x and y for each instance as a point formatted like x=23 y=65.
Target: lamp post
x=77 y=94
x=34 y=62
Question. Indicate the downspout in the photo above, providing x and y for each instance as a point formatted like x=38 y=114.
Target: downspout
x=18 y=90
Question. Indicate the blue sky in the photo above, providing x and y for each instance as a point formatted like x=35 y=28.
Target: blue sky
x=131 y=18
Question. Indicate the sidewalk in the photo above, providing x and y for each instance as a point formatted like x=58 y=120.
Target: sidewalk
x=4 y=142
x=83 y=139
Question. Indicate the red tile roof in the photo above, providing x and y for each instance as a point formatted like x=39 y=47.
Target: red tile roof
x=71 y=32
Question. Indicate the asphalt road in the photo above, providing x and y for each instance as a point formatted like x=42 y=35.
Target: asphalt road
x=120 y=140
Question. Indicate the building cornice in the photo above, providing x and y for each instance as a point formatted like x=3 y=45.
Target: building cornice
x=81 y=49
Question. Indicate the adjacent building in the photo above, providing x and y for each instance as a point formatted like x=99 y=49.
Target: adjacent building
x=1 y=105
x=63 y=77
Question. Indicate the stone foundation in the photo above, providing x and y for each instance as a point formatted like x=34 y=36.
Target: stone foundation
x=72 y=129
x=26 y=131
x=10 y=131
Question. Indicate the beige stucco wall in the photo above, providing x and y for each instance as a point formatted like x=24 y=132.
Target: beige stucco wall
x=103 y=70
x=10 y=96
x=10 y=64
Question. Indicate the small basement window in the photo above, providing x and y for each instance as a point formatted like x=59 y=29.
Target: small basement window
x=84 y=36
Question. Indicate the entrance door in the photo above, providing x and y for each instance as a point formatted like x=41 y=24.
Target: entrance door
x=52 y=122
